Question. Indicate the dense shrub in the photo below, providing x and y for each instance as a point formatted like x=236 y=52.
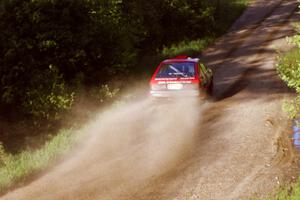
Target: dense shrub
x=46 y=96
x=163 y=22
x=46 y=44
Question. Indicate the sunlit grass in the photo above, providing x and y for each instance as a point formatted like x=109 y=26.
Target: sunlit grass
x=291 y=192
x=17 y=168
x=191 y=48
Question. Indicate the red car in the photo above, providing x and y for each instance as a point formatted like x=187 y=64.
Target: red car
x=181 y=76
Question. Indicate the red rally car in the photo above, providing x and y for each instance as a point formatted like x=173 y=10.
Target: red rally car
x=181 y=76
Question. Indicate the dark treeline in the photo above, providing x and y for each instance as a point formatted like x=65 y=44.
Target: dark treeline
x=51 y=48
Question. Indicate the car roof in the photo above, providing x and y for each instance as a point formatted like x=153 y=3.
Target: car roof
x=181 y=58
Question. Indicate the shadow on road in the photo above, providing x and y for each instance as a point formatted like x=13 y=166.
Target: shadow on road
x=245 y=58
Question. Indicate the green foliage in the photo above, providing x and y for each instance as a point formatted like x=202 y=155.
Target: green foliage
x=16 y=168
x=191 y=48
x=46 y=44
x=163 y=22
x=50 y=98
x=43 y=95
x=288 y=69
x=105 y=93
x=292 y=107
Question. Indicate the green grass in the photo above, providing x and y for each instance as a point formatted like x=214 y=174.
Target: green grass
x=191 y=48
x=291 y=192
x=15 y=169
x=288 y=68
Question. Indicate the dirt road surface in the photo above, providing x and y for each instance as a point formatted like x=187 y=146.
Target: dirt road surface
x=225 y=149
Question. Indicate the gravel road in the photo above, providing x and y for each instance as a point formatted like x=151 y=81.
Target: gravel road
x=225 y=149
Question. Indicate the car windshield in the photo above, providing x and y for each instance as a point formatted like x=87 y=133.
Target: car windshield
x=177 y=69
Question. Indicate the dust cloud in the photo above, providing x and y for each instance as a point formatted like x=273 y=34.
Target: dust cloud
x=126 y=147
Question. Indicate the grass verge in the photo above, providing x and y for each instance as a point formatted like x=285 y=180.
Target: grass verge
x=191 y=48
x=17 y=168
x=290 y=193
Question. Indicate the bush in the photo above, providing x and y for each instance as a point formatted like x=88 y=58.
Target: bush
x=50 y=98
x=191 y=48
x=288 y=69
x=105 y=93
x=162 y=22
x=45 y=45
